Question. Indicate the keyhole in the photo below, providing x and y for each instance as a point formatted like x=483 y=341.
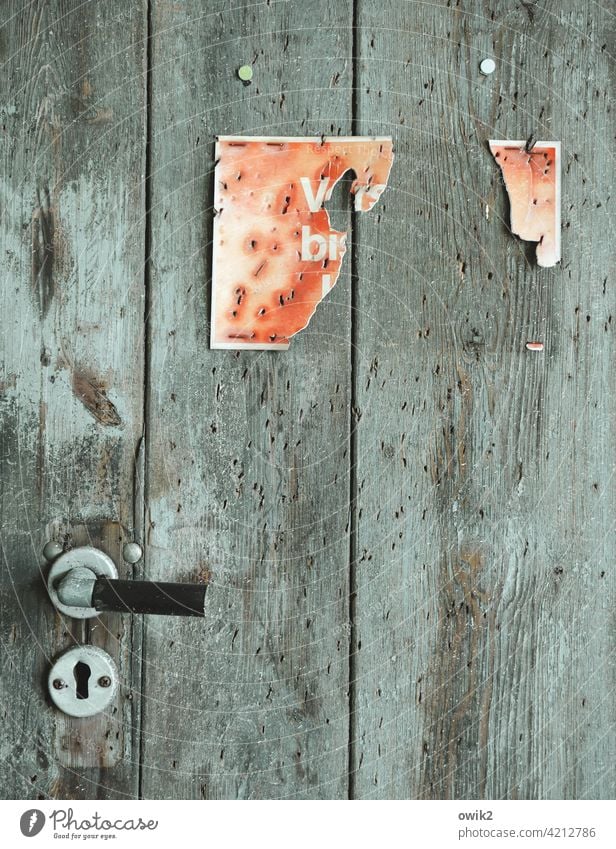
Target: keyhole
x=82 y=674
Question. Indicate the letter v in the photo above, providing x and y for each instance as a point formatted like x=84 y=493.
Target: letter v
x=314 y=203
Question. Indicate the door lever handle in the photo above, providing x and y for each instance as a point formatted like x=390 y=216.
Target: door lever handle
x=83 y=582
x=111 y=594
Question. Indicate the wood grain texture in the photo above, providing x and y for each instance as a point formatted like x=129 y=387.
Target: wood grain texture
x=406 y=520
x=71 y=252
x=248 y=453
x=483 y=621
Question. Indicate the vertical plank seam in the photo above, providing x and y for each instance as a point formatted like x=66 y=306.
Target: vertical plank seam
x=146 y=356
x=352 y=689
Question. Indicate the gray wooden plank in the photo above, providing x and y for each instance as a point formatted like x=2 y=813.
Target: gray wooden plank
x=248 y=463
x=483 y=632
x=71 y=401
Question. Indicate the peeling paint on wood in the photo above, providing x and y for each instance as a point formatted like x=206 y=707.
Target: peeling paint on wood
x=91 y=390
x=43 y=250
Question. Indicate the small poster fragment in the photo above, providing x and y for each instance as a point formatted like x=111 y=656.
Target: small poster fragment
x=532 y=179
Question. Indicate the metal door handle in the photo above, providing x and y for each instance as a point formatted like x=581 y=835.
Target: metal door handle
x=83 y=582
x=166 y=599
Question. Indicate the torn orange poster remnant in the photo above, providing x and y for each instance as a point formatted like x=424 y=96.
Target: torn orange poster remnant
x=532 y=178
x=275 y=255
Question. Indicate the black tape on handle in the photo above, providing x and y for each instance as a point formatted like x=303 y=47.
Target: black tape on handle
x=163 y=599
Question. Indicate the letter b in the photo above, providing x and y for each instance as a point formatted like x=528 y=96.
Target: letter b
x=307 y=239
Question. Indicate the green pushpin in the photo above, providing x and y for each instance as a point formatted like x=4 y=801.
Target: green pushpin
x=245 y=74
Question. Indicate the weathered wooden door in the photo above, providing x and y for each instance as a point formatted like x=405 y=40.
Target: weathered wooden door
x=406 y=520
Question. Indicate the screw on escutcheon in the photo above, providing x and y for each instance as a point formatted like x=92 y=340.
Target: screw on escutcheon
x=104 y=681
x=132 y=552
x=52 y=550
x=59 y=684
